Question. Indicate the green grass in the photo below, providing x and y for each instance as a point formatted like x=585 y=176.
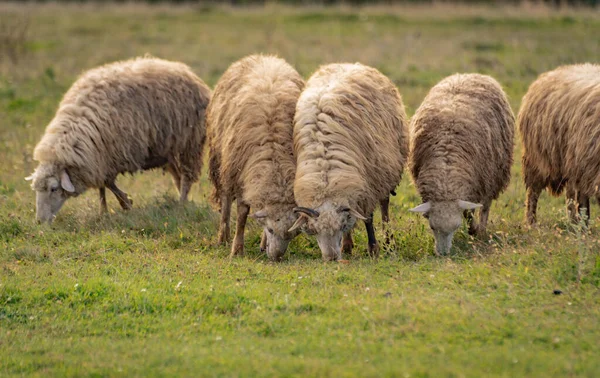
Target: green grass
x=148 y=293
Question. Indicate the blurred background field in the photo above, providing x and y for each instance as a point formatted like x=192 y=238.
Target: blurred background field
x=148 y=293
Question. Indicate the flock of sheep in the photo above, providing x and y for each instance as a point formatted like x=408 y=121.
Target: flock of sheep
x=317 y=156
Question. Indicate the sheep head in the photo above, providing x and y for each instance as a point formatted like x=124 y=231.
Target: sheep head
x=277 y=222
x=445 y=217
x=329 y=222
x=53 y=187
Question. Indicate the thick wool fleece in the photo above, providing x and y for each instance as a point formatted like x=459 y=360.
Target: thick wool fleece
x=462 y=140
x=559 y=122
x=125 y=117
x=250 y=122
x=350 y=138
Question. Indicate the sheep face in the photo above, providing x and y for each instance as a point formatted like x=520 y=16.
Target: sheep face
x=329 y=222
x=53 y=187
x=445 y=217
x=276 y=224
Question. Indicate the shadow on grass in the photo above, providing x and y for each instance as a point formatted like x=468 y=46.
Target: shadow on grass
x=160 y=217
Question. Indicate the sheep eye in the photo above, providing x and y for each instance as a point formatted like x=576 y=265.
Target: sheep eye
x=53 y=190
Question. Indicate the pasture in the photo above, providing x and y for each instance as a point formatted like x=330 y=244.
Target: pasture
x=148 y=293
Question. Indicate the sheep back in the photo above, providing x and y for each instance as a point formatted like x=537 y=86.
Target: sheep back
x=462 y=140
x=249 y=123
x=350 y=137
x=559 y=122
x=128 y=116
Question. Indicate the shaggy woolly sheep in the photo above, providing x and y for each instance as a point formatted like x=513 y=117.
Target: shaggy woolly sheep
x=249 y=127
x=122 y=117
x=351 y=144
x=559 y=123
x=461 y=153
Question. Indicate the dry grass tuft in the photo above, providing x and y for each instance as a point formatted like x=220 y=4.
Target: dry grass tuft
x=14 y=35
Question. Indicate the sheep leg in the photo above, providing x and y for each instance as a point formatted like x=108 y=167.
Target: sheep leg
x=483 y=218
x=347 y=243
x=583 y=208
x=122 y=197
x=470 y=217
x=373 y=246
x=385 y=219
x=533 y=194
x=572 y=203
x=184 y=190
x=224 y=225
x=263 y=242
x=237 y=249
x=103 y=206
x=176 y=176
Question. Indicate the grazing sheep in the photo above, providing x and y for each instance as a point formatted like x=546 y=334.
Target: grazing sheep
x=559 y=123
x=122 y=117
x=461 y=153
x=351 y=144
x=249 y=127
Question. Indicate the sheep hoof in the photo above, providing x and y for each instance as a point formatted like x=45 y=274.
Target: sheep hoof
x=347 y=248
x=222 y=238
x=374 y=250
x=126 y=204
x=237 y=249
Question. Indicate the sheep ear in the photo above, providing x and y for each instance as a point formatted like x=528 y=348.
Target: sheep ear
x=259 y=214
x=65 y=182
x=301 y=221
x=354 y=213
x=422 y=208
x=30 y=177
x=466 y=205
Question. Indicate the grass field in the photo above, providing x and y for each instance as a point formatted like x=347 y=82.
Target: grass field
x=147 y=293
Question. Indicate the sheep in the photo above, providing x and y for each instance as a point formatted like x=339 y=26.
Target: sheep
x=461 y=152
x=249 y=127
x=122 y=117
x=351 y=145
x=559 y=122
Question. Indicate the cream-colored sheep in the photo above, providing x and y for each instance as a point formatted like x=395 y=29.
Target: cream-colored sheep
x=249 y=123
x=559 y=123
x=461 y=152
x=121 y=118
x=351 y=144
